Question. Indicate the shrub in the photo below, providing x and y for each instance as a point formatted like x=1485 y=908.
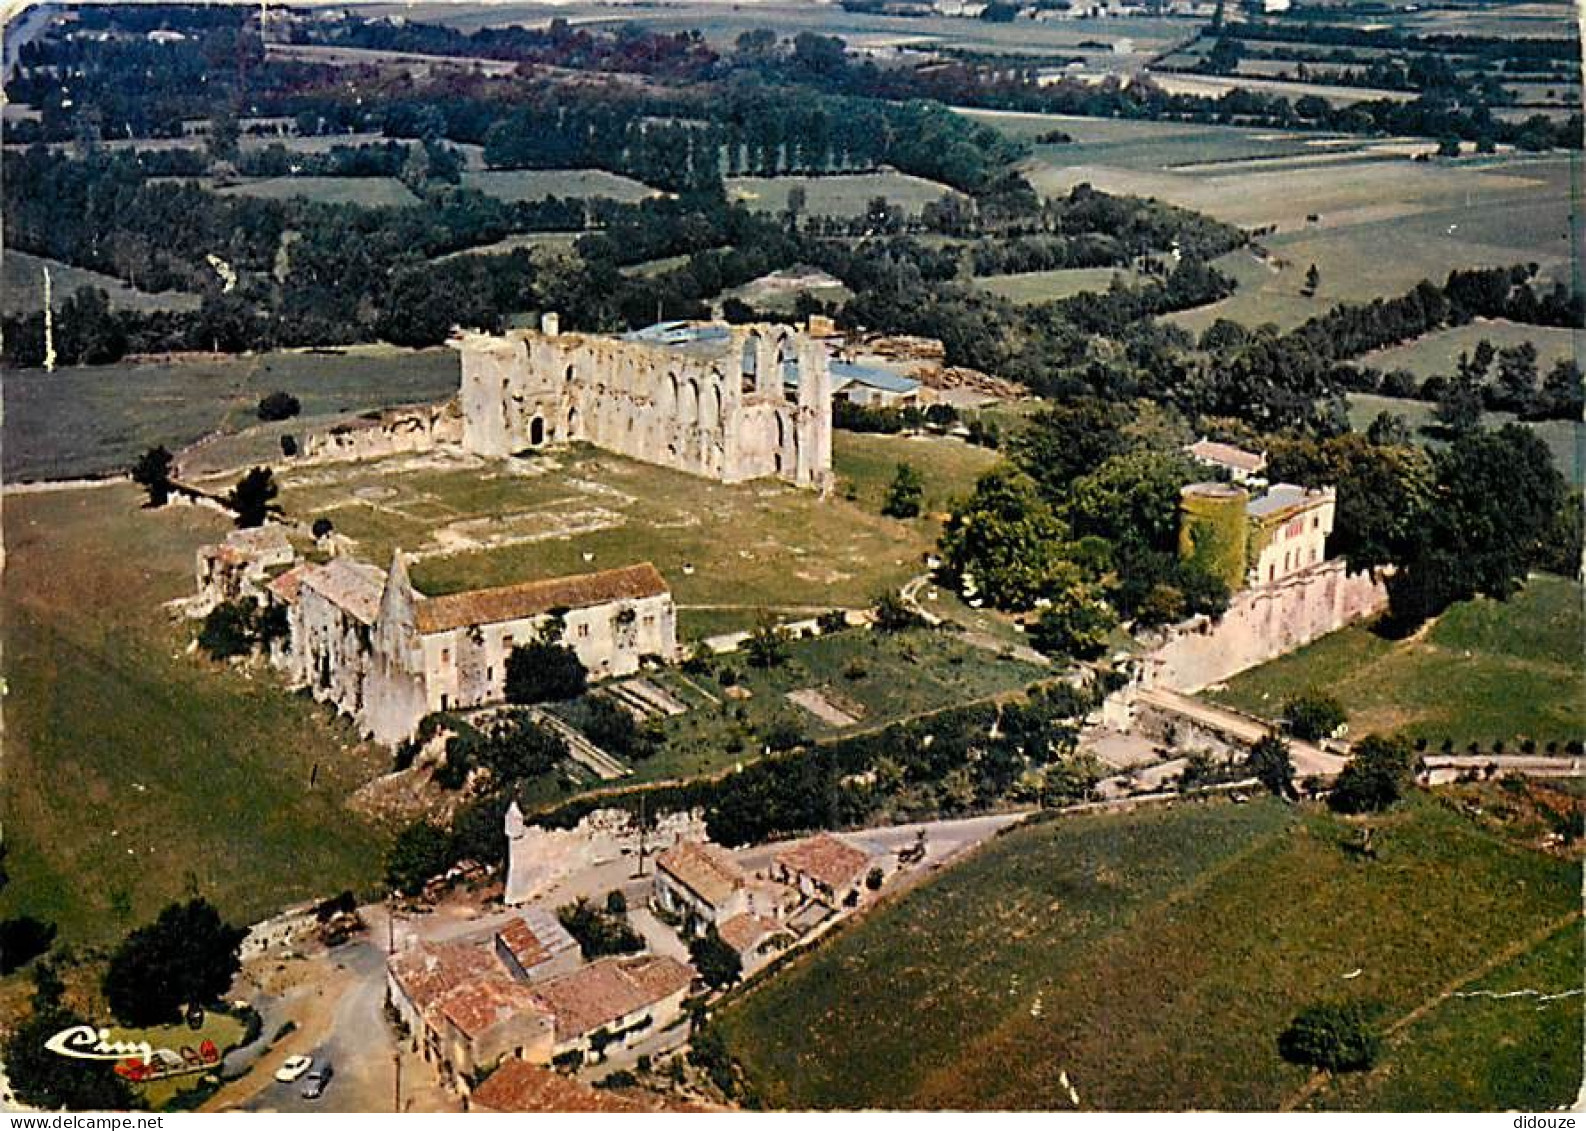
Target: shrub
x=322 y=527
x=1379 y=773
x=545 y=670
x=1314 y=715
x=22 y=940
x=1337 y=1037
x=278 y=405
x=616 y=902
x=597 y=932
x=289 y=446
x=874 y=878
x=230 y=629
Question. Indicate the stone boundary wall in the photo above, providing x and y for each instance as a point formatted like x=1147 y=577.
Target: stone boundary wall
x=1261 y=624
x=538 y=858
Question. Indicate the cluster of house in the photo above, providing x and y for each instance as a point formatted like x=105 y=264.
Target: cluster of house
x=701 y=886
x=528 y=1000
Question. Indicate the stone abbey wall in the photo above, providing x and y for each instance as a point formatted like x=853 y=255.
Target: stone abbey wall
x=731 y=403
x=1262 y=623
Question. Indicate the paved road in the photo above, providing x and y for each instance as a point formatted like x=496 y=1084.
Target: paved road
x=1308 y=759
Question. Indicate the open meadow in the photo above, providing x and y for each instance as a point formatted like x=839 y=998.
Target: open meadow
x=513 y=185
x=728 y=552
x=1439 y=353
x=1485 y=671
x=22 y=287
x=1149 y=961
x=843 y=195
x=135 y=772
x=1028 y=287
x=95 y=420
x=369 y=192
x=1566 y=439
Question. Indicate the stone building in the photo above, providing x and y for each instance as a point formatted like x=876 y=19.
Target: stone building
x=387 y=655
x=731 y=403
x=700 y=881
x=535 y=945
x=240 y=566
x=1255 y=541
x=463 y=1012
x=614 y=1001
x=822 y=867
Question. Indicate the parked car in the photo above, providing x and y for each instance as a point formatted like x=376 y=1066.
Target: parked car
x=318 y=1080
x=293 y=1067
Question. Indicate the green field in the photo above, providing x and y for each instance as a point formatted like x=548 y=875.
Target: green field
x=532 y=241
x=866 y=463
x=751 y=547
x=842 y=195
x=97 y=419
x=875 y=679
x=513 y=185
x=1439 y=352
x=1151 y=960
x=370 y=192
x=135 y=772
x=1048 y=286
x=1566 y=439
x=22 y=287
x=1486 y=670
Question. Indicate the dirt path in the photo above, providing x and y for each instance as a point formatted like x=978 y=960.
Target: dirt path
x=1502 y=958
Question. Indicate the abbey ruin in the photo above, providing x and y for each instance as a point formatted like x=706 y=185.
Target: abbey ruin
x=730 y=403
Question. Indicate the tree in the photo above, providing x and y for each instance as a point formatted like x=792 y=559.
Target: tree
x=1380 y=772
x=1313 y=715
x=1269 y=761
x=322 y=527
x=22 y=940
x=44 y=1079
x=597 y=932
x=420 y=852
x=152 y=472
x=1313 y=280
x=717 y=962
x=230 y=629
x=252 y=499
x=1460 y=404
x=278 y=405
x=545 y=670
x=906 y=494
x=767 y=646
x=1131 y=499
x=1076 y=623
x=1004 y=545
x=187 y=956
x=1338 y=1037
x=1517 y=376
x=893 y=614
x=1497 y=496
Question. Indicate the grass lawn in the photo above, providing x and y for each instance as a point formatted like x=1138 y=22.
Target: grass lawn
x=22 y=287
x=97 y=419
x=1048 y=286
x=135 y=772
x=1439 y=352
x=1150 y=958
x=474 y=523
x=1486 y=670
x=842 y=194
x=370 y=192
x=876 y=679
x=222 y=1028
x=513 y=185
x=1484 y=1051
x=1566 y=439
x=866 y=463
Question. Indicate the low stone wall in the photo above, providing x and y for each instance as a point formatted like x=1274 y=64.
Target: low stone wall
x=1261 y=624
x=420 y=428
x=539 y=857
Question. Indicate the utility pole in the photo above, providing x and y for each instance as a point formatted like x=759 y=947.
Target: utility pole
x=643 y=828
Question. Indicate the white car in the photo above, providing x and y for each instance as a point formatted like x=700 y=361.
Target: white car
x=293 y=1067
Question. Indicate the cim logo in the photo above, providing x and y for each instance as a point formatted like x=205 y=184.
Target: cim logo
x=84 y=1042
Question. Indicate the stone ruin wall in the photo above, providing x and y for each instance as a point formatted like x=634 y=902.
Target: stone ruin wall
x=724 y=417
x=420 y=428
x=1263 y=623
x=537 y=858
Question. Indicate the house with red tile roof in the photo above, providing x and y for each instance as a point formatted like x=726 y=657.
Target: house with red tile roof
x=618 y=1000
x=822 y=867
